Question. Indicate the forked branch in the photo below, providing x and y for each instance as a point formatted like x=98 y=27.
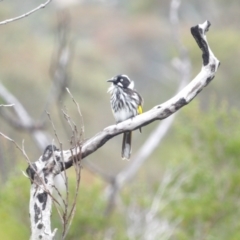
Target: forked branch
x=53 y=161
x=164 y=110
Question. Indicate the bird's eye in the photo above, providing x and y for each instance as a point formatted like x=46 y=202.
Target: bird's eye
x=121 y=79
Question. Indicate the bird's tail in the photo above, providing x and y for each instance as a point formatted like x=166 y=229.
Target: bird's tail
x=126 y=145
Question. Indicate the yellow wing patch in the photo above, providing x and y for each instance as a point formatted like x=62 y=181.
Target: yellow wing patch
x=140 y=110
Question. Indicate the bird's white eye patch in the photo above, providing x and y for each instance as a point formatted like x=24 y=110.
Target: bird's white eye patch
x=121 y=80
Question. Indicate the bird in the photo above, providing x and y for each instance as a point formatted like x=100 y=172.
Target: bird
x=126 y=103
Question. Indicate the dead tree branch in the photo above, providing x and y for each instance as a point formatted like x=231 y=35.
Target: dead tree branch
x=22 y=120
x=6 y=105
x=43 y=5
x=166 y=109
x=51 y=164
x=54 y=161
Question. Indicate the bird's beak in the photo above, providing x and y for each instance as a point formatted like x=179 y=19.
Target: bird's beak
x=110 y=80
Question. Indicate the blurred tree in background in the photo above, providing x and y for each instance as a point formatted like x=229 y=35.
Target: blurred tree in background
x=191 y=192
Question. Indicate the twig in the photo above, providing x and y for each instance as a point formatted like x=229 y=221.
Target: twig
x=69 y=211
x=6 y=105
x=90 y=166
x=22 y=150
x=63 y=173
x=79 y=112
x=17 y=146
x=77 y=167
x=43 y=5
x=77 y=142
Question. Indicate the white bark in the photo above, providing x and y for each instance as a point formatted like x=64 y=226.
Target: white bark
x=41 y=174
x=43 y=171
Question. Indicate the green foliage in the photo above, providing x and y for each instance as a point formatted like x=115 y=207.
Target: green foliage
x=201 y=197
x=14 y=198
x=209 y=207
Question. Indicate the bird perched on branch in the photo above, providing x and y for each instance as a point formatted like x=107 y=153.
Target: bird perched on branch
x=125 y=103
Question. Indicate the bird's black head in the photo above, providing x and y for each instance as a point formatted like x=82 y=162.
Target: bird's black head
x=122 y=81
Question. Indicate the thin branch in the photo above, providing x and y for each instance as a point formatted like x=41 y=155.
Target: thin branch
x=77 y=139
x=79 y=112
x=43 y=5
x=22 y=120
x=42 y=174
x=6 y=105
x=32 y=166
x=63 y=173
x=77 y=167
x=19 y=110
x=17 y=146
x=70 y=209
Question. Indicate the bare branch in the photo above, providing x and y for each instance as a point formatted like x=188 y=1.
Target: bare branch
x=42 y=174
x=43 y=5
x=77 y=167
x=6 y=105
x=79 y=111
x=159 y=112
x=164 y=110
x=22 y=120
x=17 y=146
x=54 y=161
x=69 y=209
